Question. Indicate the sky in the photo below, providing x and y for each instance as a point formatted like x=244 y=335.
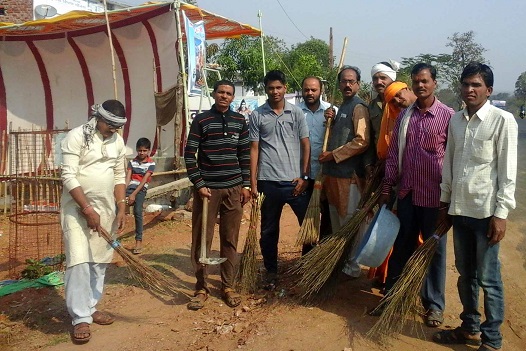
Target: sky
x=381 y=30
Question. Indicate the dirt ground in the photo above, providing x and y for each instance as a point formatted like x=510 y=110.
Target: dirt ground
x=36 y=319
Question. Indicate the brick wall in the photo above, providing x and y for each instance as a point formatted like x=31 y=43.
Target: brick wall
x=16 y=11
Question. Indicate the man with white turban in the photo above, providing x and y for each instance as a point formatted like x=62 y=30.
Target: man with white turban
x=93 y=179
x=382 y=74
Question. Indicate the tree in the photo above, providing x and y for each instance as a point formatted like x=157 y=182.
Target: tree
x=520 y=87
x=241 y=59
x=449 y=66
x=310 y=58
x=465 y=50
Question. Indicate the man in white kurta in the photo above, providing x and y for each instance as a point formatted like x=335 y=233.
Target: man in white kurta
x=93 y=176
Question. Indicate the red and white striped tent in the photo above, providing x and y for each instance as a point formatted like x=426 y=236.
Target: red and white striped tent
x=53 y=70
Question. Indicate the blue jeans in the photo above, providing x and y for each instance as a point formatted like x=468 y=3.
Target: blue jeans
x=413 y=221
x=478 y=265
x=277 y=194
x=138 y=211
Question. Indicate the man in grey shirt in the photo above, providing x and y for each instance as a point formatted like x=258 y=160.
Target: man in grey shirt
x=279 y=165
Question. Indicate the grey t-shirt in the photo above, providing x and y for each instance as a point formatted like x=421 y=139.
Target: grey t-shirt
x=279 y=141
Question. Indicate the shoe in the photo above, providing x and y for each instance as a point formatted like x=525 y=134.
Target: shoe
x=271 y=282
x=102 y=318
x=198 y=301
x=81 y=333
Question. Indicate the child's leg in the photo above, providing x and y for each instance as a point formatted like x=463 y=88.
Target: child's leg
x=138 y=214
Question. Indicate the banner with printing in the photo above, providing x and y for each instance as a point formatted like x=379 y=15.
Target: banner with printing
x=195 y=40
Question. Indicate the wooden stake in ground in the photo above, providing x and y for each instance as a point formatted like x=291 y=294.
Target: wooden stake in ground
x=403 y=303
x=145 y=275
x=310 y=226
x=248 y=267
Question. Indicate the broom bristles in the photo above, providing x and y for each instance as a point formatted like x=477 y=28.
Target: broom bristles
x=317 y=266
x=248 y=267
x=403 y=303
x=309 y=232
x=145 y=275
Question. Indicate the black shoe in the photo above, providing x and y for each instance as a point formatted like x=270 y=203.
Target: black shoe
x=377 y=311
x=271 y=282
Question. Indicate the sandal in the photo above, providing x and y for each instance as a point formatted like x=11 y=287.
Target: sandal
x=136 y=251
x=231 y=297
x=457 y=336
x=102 y=318
x=198 y=301
x=434 y=318
x=81 y=333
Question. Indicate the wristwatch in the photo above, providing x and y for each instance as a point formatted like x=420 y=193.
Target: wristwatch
x=305 y=177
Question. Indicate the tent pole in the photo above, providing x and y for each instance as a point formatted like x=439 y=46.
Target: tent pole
x=182 y=66
x=112 y=52
x=262 y=47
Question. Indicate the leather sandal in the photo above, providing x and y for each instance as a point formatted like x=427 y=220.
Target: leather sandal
x=102 y=318
x=81 y=333
x=198 y=301
x=231 y=297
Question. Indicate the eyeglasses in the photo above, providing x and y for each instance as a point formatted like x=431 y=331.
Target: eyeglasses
x=348 y=82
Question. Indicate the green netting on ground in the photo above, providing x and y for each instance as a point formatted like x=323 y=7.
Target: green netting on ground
x=11 y=286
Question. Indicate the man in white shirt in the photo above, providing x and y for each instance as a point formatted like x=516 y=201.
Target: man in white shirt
x=477 y=192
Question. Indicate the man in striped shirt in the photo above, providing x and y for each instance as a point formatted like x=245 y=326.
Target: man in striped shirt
x=221 y=173
x=414 y=166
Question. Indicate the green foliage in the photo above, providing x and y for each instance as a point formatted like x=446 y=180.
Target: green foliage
x=520 y=87
x=36 y=268
x=310 y=58
x=241 y=59
x=449 y=66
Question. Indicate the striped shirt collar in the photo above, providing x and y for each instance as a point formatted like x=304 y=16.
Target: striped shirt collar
x=148 y=159
x=215 y=110
x=433 y=109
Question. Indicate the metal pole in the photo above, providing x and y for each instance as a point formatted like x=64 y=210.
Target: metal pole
x=262 y=47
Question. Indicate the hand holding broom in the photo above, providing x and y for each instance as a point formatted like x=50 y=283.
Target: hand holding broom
x=310 y=227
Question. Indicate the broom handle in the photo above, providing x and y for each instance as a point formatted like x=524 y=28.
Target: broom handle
x=203 y=227
x=329 y=121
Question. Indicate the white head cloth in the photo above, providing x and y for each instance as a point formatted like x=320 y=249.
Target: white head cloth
x=388 y=68
x=98 y=111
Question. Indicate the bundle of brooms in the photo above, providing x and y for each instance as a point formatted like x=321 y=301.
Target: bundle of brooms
x=145 y=275
x=320 y=266
x=403 y=303
x=310 y=227
x=248 y=267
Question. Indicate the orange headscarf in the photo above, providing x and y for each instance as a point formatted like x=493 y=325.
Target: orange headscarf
x=391 y=111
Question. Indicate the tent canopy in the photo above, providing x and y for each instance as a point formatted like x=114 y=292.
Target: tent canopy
x=77 y=23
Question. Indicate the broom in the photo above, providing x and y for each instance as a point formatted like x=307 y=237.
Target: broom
x=319 y=264
x=310 y=226
x=248 y=267
x=145 y=275
x=403 y=302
